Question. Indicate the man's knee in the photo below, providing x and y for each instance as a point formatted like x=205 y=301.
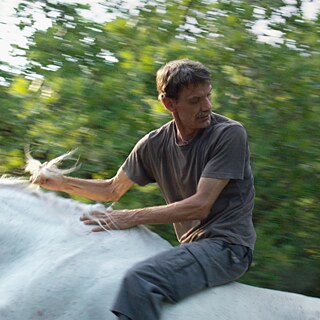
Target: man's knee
x=154 y=278
x=144 y=279
x=133 y=277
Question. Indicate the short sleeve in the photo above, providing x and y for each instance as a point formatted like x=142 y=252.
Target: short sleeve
x=228 y=155
x=136 y=165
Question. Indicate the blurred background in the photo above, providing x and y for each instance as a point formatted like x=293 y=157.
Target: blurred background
x=81 y=74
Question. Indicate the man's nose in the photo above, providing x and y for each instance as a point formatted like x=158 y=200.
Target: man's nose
x=206 y=105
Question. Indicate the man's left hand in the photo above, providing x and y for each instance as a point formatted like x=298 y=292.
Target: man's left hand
x=113 y=220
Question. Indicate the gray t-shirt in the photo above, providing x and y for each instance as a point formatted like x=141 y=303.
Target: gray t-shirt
x=219 y=151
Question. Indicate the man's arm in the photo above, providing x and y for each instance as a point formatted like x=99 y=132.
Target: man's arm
x=98 y=190
x=196 y=207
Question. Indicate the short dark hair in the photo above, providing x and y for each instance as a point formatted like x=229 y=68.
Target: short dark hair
x=177 y=74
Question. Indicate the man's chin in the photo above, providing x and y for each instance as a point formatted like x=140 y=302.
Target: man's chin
x=205 y=121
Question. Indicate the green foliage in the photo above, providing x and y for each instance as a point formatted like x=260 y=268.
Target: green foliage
x=95 y=91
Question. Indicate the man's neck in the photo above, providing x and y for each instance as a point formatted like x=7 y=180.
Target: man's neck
x=185 y=137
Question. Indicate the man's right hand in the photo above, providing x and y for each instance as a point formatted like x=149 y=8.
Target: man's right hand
x=48 y=179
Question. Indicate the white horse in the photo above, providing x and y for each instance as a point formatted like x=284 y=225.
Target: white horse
x=52 y=267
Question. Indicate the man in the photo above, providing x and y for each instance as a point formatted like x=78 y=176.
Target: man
x=200 y=161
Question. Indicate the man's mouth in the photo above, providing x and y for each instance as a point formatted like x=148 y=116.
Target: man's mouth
x=202 y=115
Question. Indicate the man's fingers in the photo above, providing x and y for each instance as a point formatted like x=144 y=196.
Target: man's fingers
x=97 y=229
x=33 y=179
x=92 y=217
x=103 y=220
x=90 y=222
x=38 y=180
x=99 y=219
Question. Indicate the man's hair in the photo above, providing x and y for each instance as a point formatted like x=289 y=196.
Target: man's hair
x=177 y=74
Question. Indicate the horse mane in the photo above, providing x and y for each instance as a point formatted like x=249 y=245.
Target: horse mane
x=36 y=168
x=47 y=169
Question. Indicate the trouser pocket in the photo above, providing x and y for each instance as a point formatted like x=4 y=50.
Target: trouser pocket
x=239 y=254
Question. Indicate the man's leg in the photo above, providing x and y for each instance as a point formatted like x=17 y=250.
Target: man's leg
x=176 y=273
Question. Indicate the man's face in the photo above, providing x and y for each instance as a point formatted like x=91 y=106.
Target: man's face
x=193 y=108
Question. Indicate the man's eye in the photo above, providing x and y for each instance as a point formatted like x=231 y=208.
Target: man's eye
x=194 y=101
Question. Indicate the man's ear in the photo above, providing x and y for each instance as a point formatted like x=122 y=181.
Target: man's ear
x=169 y=104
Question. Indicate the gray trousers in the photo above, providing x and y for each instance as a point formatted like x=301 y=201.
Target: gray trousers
x=177 y=273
